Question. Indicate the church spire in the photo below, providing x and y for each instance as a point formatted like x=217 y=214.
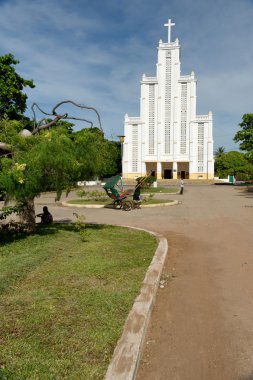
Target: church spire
x=169 y=25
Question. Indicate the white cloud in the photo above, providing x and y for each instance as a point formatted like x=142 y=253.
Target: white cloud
x=95 y=53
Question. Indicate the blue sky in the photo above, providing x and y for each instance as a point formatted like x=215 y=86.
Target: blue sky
x=94 y=52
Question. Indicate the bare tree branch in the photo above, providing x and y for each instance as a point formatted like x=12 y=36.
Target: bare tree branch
x=80 y=106
x=37 y=126
x=50 y=124
x=6 y=154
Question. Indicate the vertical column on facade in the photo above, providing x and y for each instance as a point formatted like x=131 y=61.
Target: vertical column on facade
x=193 y=97
x=174 y=170
x=191 y=158
x=159 y=170
x=192 y=151
x=143 y=168
x=143 y=126
x=143 y=163
x=125 y=168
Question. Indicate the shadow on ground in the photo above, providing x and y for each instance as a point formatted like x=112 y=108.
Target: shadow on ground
x=245 y=193
x=41 y=230
x=248 y=377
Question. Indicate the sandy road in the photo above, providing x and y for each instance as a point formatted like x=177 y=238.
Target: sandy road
x=202 y=324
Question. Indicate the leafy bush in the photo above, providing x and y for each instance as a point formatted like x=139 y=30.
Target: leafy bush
x=6 y=211
x=95 y=195
x=12 y=228
x=242 y=177
x=80 y=226
x=148 y=198
x=146 y=181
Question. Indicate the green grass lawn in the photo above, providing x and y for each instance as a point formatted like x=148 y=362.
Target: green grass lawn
x=64 y=301
x=83 y=201
x=145 y=201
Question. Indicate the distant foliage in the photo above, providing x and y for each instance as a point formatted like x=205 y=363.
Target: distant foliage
x=233 y=163
x=12 y=98
x=220 y=151
x=95 y=195
x=245 y=135
x=146 y=182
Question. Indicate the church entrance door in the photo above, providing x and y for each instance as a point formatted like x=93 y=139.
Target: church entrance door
x=167 y=173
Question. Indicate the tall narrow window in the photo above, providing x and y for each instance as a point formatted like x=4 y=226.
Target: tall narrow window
x=151 y=120
x=167 y=105
x=135 y=148
x=183 y=118
x=200 y=147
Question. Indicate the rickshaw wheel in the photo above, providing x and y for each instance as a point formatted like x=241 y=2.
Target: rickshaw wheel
x=117 y=204
x=127 y=206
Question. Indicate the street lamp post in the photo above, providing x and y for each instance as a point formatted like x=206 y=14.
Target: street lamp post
x=121 y=140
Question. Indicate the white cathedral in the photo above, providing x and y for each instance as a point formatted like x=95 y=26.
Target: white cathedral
x=168 y=140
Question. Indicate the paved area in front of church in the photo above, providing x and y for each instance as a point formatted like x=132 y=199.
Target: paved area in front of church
x=201 y=325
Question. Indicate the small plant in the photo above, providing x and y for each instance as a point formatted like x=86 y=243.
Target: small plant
x=82 y=193
x=12 y=228
x=98 y=195
x=146 y=181
x=80 y=226
x=95 y=195
x=6 y=211
x=2 y=372
x=148 y=198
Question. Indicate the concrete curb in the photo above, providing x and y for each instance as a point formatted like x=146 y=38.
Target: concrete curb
x=127 y=354
x=177 y=192
x=103 y=206
x=81 y=206
x=173 y=203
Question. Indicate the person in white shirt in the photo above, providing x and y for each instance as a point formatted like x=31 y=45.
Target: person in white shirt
x=181 y=186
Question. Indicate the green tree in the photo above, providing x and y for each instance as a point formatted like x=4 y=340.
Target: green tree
x=12 y=99
x=245 y=135
x=219 y=151
x=100 y=158
x=232 y=163
x=55 y=159
x=52 y=156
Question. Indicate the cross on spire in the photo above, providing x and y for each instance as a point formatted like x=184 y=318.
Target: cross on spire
x=169 y=25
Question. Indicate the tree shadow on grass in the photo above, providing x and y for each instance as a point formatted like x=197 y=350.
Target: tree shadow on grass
x=45 y=229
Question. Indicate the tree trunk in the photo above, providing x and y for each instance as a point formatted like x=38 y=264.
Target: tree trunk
x=27 y=216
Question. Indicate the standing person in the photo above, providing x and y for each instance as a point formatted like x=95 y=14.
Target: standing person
x=137 y=194
x=46 y=216
x=181 y=186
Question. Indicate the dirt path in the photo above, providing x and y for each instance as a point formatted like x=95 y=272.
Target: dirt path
x=201 y=327
x=202 y=324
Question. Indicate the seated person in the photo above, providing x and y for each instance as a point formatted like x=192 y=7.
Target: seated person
x=46 y=217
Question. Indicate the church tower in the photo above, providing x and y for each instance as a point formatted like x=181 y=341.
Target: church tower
x=168 y=140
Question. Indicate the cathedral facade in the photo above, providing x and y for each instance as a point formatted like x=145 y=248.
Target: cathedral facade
x=168 y=140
